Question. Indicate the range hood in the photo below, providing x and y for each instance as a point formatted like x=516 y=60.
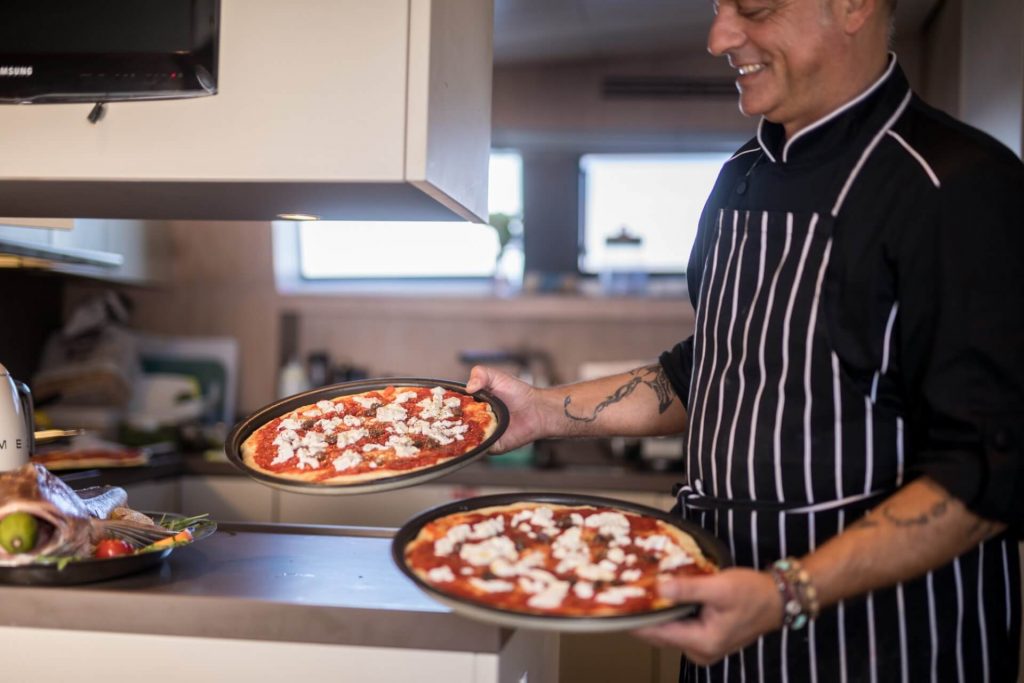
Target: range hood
x=342 y=109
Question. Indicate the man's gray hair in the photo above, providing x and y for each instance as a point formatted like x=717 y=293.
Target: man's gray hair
x=891 y=5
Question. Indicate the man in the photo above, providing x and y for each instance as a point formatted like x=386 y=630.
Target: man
x=854 y=389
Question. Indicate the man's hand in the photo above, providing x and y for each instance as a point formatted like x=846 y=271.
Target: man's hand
x=640 y=402
x=737 y=606
x=523 y=402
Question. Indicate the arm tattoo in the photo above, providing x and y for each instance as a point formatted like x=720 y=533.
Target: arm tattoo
x=982 y=528
x=937 y=510
x=652 y=376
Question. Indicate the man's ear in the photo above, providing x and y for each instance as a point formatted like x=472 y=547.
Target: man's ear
x=855 y=14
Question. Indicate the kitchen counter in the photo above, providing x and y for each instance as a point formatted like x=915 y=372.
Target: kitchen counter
x=583 y=464
x=273 y=584
x=191 y=484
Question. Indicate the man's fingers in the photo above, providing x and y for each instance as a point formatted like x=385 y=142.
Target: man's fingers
x=478 y=379
x=686 y=588
x=678 y=634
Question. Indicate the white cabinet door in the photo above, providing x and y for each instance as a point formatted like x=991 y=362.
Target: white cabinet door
x=143 y=245
x=32 y=231
x=86 y=234
x=346 y=109
x=36 y=230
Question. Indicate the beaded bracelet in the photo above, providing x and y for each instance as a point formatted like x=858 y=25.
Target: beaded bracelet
x=799 y=597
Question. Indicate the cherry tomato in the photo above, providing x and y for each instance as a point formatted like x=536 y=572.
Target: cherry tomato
x=113 y=547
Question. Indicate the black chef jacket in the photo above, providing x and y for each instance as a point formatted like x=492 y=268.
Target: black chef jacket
x=935 y=220
x=907 y=320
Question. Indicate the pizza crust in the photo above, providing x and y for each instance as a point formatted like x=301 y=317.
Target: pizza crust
x=249 y=447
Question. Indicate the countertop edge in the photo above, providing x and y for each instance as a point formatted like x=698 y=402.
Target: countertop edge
x=243 y=619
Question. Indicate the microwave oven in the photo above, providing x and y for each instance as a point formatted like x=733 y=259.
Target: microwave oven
x=108 y=50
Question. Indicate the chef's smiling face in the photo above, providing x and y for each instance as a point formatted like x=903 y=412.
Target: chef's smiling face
x=788 y=55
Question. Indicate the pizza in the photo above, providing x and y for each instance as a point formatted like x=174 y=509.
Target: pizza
x=66 y=459
x=371 y=435
x=559 y=560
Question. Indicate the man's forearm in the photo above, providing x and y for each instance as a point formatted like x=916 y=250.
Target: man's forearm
x=918 y=528
x=640 y=402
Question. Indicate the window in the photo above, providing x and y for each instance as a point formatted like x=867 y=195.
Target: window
x=389 y=250
x=372 y=250
x=641 y=211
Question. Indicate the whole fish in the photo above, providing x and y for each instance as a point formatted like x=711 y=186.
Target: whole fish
x=69 y=523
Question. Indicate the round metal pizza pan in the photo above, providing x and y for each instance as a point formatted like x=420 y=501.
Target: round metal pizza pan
x=242 y=431
x=710 y=545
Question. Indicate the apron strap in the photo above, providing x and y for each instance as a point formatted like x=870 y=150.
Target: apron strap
x=692 y=497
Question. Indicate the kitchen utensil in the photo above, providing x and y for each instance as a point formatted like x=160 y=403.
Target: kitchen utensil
x=48 y=436
x=17 y=425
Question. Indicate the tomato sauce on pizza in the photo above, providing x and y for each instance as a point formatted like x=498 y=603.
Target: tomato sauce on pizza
x=370 y=435
x=551 y=559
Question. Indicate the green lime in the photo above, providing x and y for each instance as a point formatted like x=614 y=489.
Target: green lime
x=18 y=532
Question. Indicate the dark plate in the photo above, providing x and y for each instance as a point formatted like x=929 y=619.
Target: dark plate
x=93 y=569
x=243 y=429
x=710 y=545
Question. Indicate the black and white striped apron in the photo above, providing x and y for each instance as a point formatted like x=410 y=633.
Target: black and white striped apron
x=784 y=450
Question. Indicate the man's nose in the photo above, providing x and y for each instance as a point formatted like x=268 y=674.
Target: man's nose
x=725 y=34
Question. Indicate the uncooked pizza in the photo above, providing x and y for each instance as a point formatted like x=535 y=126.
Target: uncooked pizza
x=371 y=435
x=541 y=558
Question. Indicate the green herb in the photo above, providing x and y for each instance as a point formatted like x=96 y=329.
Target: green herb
x=182 y=523
x=60 y=562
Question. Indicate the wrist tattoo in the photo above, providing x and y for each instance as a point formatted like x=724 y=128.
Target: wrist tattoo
x=652 y=376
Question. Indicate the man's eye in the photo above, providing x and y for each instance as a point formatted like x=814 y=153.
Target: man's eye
x=754 y=14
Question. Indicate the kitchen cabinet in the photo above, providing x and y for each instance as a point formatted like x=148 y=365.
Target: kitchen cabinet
x=37 y=232
x=586 y=657
x=14 y=227
x=78 y=247
x=143 y=245
x=260 y=603
x=230 y=497
x=344 y=109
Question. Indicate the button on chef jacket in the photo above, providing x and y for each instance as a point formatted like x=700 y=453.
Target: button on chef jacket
x=859 y=292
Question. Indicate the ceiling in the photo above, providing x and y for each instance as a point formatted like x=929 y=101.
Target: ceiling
x=574 y=30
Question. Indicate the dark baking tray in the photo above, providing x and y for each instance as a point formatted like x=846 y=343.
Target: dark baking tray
x=91 y=570
x=243 y=429
x=710 y=545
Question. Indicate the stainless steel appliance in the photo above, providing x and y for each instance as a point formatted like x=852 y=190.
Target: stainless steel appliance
x=17 y=432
